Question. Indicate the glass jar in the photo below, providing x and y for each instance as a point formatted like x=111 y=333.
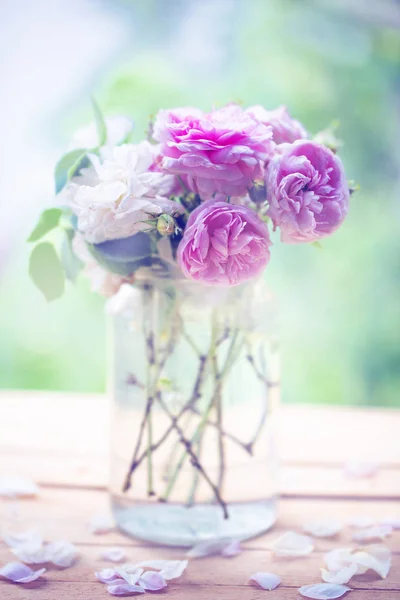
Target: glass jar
x=196 y=386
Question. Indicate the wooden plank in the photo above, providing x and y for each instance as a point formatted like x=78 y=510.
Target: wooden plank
x=67 y=450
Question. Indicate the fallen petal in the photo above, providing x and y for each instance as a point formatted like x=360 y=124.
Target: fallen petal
x=292 y=544
x=338 y=559
x=113 y=554
x=361 y=522
x=358 y=469
x=130 y=573
x=323 y=591
x=107 y=575
x=268 y=581
x=61 y=553
x=152 y=581
x=376 y=557
x=100 y=524
x=30 y=537
x=30 y=553
x=208 y=548
x=394 y=522
x=124 y=589
x=339 y=577
x=173 y=569
x=232 y=549
x=17 y=487
x=19 y=573
x=369 y=534
x=323 y=528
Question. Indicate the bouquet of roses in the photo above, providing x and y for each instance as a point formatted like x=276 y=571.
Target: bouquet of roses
x=195 y=199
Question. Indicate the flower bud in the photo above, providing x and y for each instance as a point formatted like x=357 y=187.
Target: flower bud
x=166 y=224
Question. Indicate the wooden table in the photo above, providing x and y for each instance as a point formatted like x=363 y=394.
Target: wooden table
x=60 y=441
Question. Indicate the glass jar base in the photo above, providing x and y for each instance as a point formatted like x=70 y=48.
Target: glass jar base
x=180 y=525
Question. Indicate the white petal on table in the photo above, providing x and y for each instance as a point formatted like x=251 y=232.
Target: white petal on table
x=292 y=544
x=113 y=554
x=208 y=548
x=268 y=581
x=152 y=581
x=323 y=528
x=107 y=575
x=19 y=573
x=124 y=589
x=394 y=522
x=361 y=522
x=370 y=534
x=61 y=553
x=323 y=591
x=130 y=573
x=376 y=557
x=339 y=577
x=30 y=537
x=232 y=549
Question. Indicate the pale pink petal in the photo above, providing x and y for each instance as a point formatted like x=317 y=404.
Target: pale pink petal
x=361 y=522
x=339 y=577
x=107 y=575
x=19 y=573
x=17 y=487
x=369 y=534
x=392 y=521
x=100 y=524
x=61 y=553
x=292 y=544
x=31 y=553
x=358 y=469
x=152 y=581
x=124 y=589
x=338 y=559
x=376 y=557
x=113 y=554
x=323 y=591
x=130 y=573
x=268 y=581
x=323 y=528
x=173 y=569
x=30 y=537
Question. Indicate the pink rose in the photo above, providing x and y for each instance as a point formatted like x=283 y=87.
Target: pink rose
x=222 y=151
x=307 y=192
x=284 y=128
x=223 y=244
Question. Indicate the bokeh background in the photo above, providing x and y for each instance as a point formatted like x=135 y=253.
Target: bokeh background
x=339 y=59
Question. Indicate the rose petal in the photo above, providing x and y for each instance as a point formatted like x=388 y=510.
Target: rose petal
x=268 y=581
x=31 y=553
x=153 y=581
x=339 y=577
x=362 y=522
x=113 y=554
x=208 y=548
x=107 y=575
x=130 y=573
x=61 y=553
x=358 y=469
x=379 y=532
x=173 y=569
x=19 y=573
x=323 y=528
x=124 y=589
x=376 y=557
x=30 y=537
x=232 y=549
x=394 y=522
x=100 y=524
x=323 y=591
x=17 y=487
x=292 y=544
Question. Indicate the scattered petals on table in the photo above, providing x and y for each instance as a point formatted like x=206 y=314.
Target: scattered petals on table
x=323 y=528
x=107 y=575
x=292 y=544
x=376 y=557
x=339 y=577
x=152 y=581
x=268 y=581
x=323 y=591
x=19 y=573
x=370 y=534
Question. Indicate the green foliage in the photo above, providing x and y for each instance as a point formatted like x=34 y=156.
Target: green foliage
x=46 y=271
x=48 y=220
x=69 y=165
x=71 y=263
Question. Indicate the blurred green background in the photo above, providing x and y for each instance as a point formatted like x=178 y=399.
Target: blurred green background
x=340 y=305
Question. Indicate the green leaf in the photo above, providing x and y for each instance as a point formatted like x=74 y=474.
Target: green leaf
x=68 y=166
x=71 y=263
x=100 y=123
x=46 y=271
x=48 y=220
